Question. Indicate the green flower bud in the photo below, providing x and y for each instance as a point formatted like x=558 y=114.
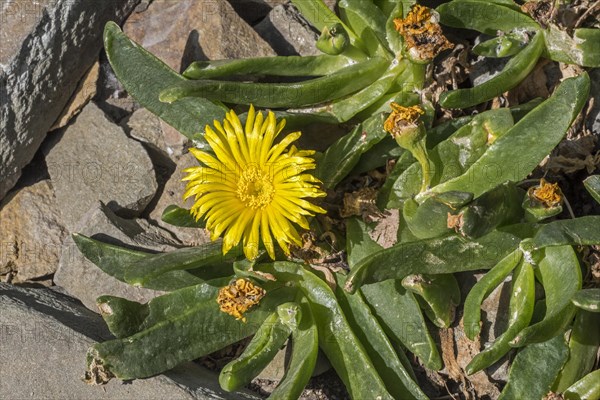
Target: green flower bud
x=333 y=40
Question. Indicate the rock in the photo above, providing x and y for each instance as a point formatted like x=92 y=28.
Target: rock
x=93 y=159
x=84 y=280
x=44 y=339
x=148 y=128
x=179 y=32
x=173 y=194
x=45 y=49
x=253 y=11
x=86 y=89
x=32 y=232
x=288 y=32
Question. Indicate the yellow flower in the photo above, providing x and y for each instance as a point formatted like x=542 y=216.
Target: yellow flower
x=235 y=299
x=422 y=34
x=549 y=194
x=252 y=188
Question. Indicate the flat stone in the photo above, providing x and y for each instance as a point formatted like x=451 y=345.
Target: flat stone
x=179 y=32
x=93 y=159
x=46 y=47
x=32 y=232
x=173 y=194
x=44 y=337
x=288 y=32
x=149 y=129
x=84 y=280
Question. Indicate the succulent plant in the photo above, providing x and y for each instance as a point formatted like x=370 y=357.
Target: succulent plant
x=458 y=189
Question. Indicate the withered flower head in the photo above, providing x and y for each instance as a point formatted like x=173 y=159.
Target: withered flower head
x=549 y=194
x=402 y=119
x=235 y=299
x=422 y=34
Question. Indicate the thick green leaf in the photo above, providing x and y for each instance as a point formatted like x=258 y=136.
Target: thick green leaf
x=342 y=156
x=429 y=219
x=521 y=308
x=500 y=46
x=336 y=338
x=192 y=317
x=391 y=294
x=581 y=49
x=583 y=347
x=366 y=21
x=278 y=66
x=432 y=256
x=181 y=217
x=393 y=38
x=484 y=16
x=344 y=109
x=588 y=388
x=497 y=207
x=115 y=260
x=513 y=73
x=534 y=370
x=560 y=275
x=592 y=184
x=588 y=299
x=302 y=362
x=265 y=344
x=313 y=91
x=371 y=334
x=578 y=232
x=123 y=317
x=145 y=76
x=535 y=135
x=109 y=257
x=208 y=256
x=317 y=13
x=454 y=156
x=440 y=295
x=482 y=289
x=407 y=327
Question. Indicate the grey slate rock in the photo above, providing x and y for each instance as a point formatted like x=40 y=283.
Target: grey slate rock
x=45 y=48
x=84 y=280
x=93 y=159
x=288 y=32
x=44 y=339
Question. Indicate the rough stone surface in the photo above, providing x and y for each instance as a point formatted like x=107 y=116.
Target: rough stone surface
x=32 y=232
x=45 y=48
x=288 y=32
x=86 y=89
x=85 y=281
x=93 y=159
x=148 y=128
x=173 y=194
x=44 y=339
x=179 y=32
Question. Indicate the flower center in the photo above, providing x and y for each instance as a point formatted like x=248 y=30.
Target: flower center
x=255 y=188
